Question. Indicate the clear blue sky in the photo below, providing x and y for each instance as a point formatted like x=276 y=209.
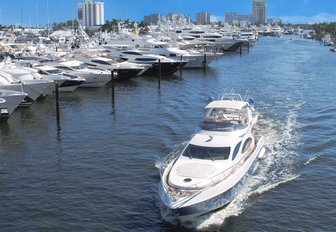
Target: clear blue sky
x=33 y=12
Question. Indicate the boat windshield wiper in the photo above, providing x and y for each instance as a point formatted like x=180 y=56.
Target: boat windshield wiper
x=189 y=154
x=210 y=155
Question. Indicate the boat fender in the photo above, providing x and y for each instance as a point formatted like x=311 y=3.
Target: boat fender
x=261 y=154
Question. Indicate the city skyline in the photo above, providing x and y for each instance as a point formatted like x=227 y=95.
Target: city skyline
x=39 y=12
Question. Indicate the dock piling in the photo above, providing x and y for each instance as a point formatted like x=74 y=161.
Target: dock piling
x=159 y=79
x=112 y=90
x=181 y=66
x=57 y=102
x=204 y=62
x=112 y=83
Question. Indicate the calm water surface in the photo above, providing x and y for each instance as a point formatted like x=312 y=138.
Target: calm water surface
x=98 y=171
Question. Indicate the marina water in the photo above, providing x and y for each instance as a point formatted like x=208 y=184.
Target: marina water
x=97 y=169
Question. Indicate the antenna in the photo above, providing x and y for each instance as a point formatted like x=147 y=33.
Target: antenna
x=37 y=18
x=21 y=15
x=48 y=16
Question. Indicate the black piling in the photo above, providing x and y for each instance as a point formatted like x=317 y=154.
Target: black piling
x=181 y=66
x=204 y=62
x=248 y=47
x=241 y=49
x=57 y=102
x=159 y=79
x=112 y=82
x=112 y=89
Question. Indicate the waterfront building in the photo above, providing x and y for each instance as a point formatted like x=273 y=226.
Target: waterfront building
x=274 y=21
x=235 y=18
x=179 y=18
x=246 y=18
x=153 y=19
x=259 y=11
x=91 y=14
x=203 y=18
x=231 y=17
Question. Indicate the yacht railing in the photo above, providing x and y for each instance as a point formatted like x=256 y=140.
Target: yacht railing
x=213 y=180
x=230 y=94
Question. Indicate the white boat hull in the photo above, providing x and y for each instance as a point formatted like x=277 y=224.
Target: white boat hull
x=95 y=80
x=12 y=101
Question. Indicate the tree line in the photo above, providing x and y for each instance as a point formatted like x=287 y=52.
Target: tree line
x=109 y=26
x=322 y=29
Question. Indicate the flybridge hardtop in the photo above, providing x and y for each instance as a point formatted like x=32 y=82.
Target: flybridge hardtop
x=208 y=172
x=222 y=104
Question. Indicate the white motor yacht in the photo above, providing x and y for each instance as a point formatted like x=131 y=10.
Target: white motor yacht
x=93 y=77
x=66 y=81
x=33 y=88
x=125 y=70
x=210 y=170
x=9 y=100
x=168 y=65
x=28 y=76
x=195 y=58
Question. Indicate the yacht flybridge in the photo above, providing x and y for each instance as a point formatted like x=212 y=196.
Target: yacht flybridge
x=209 y=171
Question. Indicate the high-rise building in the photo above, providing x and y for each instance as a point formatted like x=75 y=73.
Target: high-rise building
x=154 y=19
x=231 y=17
x=203 y=18
x=91 y=14
x=259 y=11
x=237 y=18
x=179 y=18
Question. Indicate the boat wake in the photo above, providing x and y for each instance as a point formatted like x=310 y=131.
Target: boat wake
x=282 y=143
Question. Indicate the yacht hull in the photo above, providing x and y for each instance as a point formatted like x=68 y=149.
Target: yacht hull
x=166 y=69
x=12 y=101
x=199 y=61
x=70 y=85
x=126 y=74
x=94 y=80
x=189 y=213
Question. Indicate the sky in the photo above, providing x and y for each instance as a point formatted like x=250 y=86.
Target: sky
x=39 y=12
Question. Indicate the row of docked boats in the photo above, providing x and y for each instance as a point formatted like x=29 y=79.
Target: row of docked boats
x=32 y=68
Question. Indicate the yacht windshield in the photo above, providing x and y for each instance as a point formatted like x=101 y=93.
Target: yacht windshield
x=207 y=153
x=54 y=71
x=78 y=67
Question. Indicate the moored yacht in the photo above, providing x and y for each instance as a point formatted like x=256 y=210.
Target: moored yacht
x=125 y=70
x=9 y=100
x=195 y=58
x=93 y=77
x=168 y=66
x=28 y=75
x=210 y=170
x=67 y=82
x=11 y=79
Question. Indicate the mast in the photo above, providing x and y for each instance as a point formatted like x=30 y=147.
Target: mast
x=37 y=17
x=21 y=15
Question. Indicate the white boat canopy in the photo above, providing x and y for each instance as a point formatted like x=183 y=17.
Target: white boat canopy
x=226 y=104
